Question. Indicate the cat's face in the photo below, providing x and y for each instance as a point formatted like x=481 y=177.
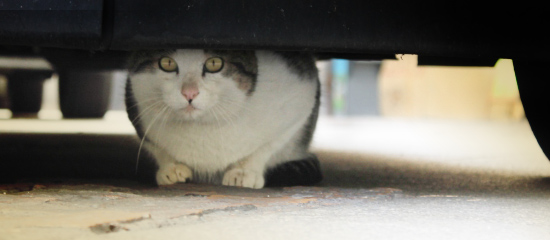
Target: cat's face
x=193 y=85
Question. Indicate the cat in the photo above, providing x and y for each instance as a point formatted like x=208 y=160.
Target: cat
x=236 y=118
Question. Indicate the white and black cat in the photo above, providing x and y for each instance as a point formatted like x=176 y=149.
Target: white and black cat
x=237 y=118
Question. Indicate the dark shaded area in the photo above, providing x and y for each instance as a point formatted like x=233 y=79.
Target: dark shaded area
x=533 y=85
x=348 y=170
x=304 y=172
x=106 y=158
x=31 y=157
x=463 y=62
x=84 y=94
x=450 y=29
x=25 y=90
x=51 y=23
x=375 y=27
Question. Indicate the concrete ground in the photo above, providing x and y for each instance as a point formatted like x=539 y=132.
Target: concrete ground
x=384 y=179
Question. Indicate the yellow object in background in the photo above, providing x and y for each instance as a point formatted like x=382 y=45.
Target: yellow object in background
x=476 y=93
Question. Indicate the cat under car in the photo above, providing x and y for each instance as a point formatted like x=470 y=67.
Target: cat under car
x=229 y=117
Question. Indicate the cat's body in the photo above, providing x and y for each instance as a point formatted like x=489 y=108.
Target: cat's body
x=225 y=116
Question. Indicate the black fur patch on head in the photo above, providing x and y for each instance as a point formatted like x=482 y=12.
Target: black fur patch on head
x=146 y=60
x=241 y=66
x=301 y=63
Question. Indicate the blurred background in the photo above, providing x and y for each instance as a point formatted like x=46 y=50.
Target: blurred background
x=388 y=88
x=395 y=110
x=400 y=88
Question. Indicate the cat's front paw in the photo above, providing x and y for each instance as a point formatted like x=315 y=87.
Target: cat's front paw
x=239 y=177
x=173 y=173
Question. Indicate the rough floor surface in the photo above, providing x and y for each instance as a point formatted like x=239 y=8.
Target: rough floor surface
x=384 y=179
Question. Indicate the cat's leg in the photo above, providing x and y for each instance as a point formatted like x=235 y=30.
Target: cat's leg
x=170 y=171
x=248 y=172
x=173 y=172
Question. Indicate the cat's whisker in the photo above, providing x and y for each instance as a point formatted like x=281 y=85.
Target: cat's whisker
x=145 y=137
x=144 y=101
x=225 y=112
x=147 y=110
x=166 y=116
x=158 y=125
x=233 y=102
x=213 y=111
x=231 y=113
x=235 y=105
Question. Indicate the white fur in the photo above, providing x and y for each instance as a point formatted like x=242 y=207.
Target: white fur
x=229 y=132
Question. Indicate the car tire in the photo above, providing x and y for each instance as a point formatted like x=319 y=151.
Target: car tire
x=25 y=91
x=84 y=93
x=531 y=76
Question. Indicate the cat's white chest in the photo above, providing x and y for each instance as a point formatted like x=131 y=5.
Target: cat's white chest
x=205 y=148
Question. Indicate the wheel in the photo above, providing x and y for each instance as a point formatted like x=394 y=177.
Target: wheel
x=25 y=91
x=84 y=93
x=533 y=84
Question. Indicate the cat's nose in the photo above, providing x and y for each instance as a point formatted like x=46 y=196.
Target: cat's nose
x=190 y=93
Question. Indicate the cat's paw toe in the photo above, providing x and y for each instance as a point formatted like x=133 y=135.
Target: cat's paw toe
x=243 y=178
x=166 y=177
x=173 y=173
x=183 y=173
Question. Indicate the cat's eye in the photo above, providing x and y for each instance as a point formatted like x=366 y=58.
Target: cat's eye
x=168 y=64
x=213 y=65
